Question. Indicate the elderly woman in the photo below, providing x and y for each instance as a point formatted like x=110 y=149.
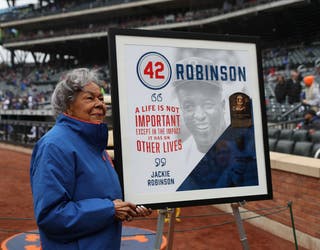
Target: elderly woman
x=76 y=191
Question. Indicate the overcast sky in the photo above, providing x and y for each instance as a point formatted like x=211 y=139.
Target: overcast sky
x=3 y=3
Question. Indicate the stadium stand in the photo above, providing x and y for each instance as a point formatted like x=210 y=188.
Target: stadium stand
x=297 y=142
x=272 y=143
x=273 y=133
x=315 y=137
x=74 y=33
x=300 y=135
x=285 y=134
x=284 y=146
x=302 y=148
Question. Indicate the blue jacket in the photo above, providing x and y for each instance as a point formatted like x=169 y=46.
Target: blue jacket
x=73 y=185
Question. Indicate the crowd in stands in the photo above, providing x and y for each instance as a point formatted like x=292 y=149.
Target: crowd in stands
x=30 y=87
x=63 y=6
x=291 y=75
x=125 y=22
x=290 y=85
x=285 y=56
x=303 y=140
x=184 y=15
x=302 y=89
x=54 y=7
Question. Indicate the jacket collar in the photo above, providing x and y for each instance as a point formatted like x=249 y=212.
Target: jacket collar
x=96 y=134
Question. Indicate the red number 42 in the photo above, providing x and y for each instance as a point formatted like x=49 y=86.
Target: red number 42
x=154 y=71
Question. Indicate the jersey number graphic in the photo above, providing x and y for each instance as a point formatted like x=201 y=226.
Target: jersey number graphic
x=155 y=69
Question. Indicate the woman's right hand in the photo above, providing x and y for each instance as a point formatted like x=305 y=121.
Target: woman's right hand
x=124 y=210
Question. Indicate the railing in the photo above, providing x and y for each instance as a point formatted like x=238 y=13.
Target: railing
x=292 y=124
x=21 y=132
x=26 y=132
x=285 y=113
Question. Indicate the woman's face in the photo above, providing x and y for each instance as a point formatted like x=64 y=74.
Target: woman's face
x=88 y=104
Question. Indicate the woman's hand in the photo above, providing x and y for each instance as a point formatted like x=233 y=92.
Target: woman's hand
x=143 y=211
x=124 y=210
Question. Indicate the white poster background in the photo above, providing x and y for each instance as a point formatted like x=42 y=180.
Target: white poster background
x=139 y=166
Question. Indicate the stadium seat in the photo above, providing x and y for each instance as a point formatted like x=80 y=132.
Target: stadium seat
x=300 y=135
x=284 y=146
x=273 y=132
x=272 y=144
x=315 y=137
x=315 y=152
x=303 y=148
x=285 y=134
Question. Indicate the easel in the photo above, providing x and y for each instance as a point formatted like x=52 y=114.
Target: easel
x=237 y=216
x=163 y=214
x=171 y=211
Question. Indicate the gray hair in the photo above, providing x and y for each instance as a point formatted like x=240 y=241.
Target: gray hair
x=70 y=85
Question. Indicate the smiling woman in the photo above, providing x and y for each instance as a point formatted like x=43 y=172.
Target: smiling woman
x=79 y=87
x=70 y=162
x=89 y=104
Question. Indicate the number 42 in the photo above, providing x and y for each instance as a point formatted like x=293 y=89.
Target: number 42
x=154 y=71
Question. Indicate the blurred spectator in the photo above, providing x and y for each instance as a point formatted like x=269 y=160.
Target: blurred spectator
x=239 y=3
x=302 y=70
x=23 y=85
x=311 y=121
x=280 y=90
x=294 y=87
x=227 y=6
x=33 y=134
x=311 y=93
x=8 y=131
x=317 y=71
x=6 y=103
x=271 y=76
x=30 y=102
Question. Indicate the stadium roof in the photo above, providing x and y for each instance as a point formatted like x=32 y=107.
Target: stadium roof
x=276 y=22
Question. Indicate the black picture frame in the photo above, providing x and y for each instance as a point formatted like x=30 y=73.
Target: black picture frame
x=125 y=46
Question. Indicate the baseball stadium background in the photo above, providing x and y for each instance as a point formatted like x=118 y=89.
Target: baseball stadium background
x=45 y=39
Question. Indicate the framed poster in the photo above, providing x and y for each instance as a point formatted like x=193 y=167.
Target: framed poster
x=189 y=118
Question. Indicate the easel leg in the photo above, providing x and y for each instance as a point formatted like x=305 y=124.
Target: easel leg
x=160 y=224
x=242 y=234
x=171 y=228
